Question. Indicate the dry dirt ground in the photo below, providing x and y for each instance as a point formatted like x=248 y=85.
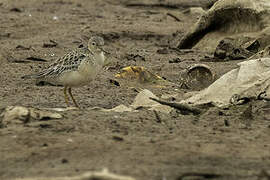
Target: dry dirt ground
x=218 y=144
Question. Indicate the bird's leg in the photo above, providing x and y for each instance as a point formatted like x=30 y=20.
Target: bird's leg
x=66 y=95
x=74 y=101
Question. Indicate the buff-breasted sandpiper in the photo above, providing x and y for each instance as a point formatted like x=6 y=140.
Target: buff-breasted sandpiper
x=76 y=68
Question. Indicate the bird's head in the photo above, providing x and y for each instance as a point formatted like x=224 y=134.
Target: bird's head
x=95 y=44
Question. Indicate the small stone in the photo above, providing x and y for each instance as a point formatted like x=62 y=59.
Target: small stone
x=64 y=161
x=226 y=123
x=163 y=51
x=175 y=60
x=118 y=138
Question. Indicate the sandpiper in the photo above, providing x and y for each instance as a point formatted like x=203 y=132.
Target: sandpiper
x=76 y=68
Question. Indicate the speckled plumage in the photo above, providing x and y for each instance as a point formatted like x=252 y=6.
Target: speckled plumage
x=68 y=62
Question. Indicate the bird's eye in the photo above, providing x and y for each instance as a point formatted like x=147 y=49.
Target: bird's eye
x=93 y=43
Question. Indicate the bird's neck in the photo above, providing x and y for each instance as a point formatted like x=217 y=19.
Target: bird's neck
x=99 y=56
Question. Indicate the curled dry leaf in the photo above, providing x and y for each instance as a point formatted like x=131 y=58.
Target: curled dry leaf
x=197 y=76
x=140 y=75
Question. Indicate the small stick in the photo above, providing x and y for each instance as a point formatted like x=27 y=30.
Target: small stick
x=199 y=175
x=173 y=16
x=182 y=107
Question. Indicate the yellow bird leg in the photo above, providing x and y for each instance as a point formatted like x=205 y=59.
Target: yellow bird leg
x=66 y=96
x=73 y=99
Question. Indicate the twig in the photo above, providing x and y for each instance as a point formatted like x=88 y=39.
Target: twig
x=203 y=175
x=181 y=107
x=158 y=119
x=174 y=17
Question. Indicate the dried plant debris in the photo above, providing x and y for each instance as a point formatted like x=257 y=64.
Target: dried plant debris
x=139 y=74
x=101 y=175
x=23 y=115
x=50 y=44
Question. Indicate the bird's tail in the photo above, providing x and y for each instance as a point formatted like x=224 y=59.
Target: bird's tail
x=39 y=75
x=30 y=76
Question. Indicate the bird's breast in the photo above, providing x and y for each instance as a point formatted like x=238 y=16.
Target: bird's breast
x=89 y=70
x=86 y=72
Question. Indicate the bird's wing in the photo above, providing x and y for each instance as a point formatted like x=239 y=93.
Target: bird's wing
x=68 y=62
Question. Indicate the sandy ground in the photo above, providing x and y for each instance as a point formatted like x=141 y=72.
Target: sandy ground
x=215 y=145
